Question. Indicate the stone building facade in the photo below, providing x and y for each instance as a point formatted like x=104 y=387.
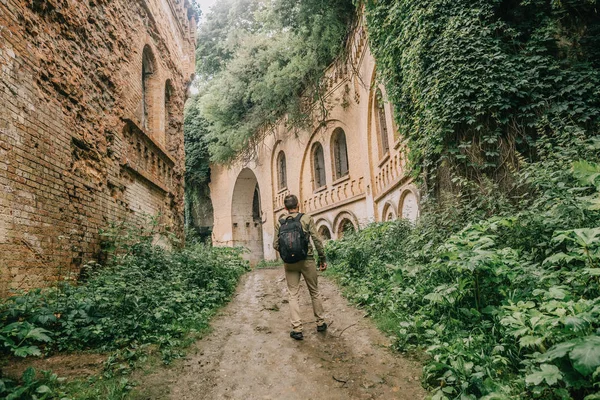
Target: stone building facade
x=347 y=171
x=91 y=114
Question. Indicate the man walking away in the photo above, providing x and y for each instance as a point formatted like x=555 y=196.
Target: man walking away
x=292 y=240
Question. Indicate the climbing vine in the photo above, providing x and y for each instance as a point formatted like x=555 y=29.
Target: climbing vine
x=476 y=83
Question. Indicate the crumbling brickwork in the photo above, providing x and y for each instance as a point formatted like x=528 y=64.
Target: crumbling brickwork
x=91 y=113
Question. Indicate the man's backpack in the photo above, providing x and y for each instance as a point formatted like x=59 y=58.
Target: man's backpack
x=293 y=242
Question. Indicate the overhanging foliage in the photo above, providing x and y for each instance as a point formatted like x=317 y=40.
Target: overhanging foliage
x=256 y=59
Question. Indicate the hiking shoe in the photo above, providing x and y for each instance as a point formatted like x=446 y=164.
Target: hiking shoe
x=296 y=335
x=322 y=328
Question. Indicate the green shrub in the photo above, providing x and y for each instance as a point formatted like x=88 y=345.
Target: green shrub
x=506 y=306
x=148 y=295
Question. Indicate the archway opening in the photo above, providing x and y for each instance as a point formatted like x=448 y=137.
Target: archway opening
x=246 y=216
x=325 y=233
x=346 y=227
x=410 y=206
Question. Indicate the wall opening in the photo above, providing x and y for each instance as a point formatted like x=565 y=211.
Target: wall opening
x=325 y=232
x=169 y=125
x=281 y=171
x=246 y=216
x=409 y=206
x=346 y=226
x=382 y=128
x=340 y=153
x=318 y=166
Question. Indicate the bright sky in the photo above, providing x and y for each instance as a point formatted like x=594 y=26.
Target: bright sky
x=205 y=5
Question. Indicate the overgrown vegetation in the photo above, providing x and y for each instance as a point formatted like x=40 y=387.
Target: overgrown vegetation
x=198 y=205
x=476 y=83
x=506 y=305
x=145 y=296
x=254 y=61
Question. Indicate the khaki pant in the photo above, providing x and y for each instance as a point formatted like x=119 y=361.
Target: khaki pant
x=308 y=269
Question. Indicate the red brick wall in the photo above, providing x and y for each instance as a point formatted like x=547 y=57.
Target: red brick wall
x=73 y=156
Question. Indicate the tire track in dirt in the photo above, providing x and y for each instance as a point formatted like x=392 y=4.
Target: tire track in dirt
x=249 y=354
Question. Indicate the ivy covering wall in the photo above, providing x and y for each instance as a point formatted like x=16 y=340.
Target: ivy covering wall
x=473 y=81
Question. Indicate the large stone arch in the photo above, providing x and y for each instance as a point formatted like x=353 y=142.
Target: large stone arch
x=246 y=215
x=340 y=221
x=324 y=228
x=389 y=212
x=408 y=207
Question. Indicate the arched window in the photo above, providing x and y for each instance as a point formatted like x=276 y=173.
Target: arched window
x=281 y=170
x=256 y=208
x=318 y=166
x=340 y=153
x=169 y=114
x=381 y=123
x=389 y=214
x=148 y=67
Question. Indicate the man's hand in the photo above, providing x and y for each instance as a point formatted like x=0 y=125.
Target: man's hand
x=322 y=266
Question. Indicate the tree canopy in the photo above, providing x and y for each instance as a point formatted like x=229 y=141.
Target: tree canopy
x=255 y=59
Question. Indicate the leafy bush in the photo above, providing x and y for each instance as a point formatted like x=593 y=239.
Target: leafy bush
x=147 y=295
x=506 y=306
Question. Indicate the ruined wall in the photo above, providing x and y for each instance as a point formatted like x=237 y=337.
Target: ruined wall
x=84 y=139
x=374 y=188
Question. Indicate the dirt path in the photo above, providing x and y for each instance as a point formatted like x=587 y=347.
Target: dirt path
x=249 y=354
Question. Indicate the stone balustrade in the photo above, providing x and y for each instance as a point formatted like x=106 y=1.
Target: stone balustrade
x=389 y=173
x=340 y=192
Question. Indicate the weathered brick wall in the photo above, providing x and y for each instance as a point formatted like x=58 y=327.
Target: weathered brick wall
x=74 y=152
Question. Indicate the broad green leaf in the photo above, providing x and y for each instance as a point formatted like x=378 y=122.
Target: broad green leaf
x=559 y=258
x=43 y=389
x=25 y=351
x=549 y=373
x=592 y=271
x=39 y=334
x=556 y=292
x=586 y=355
x=434 y=297
x=558 y=351
x=530 y=341
x=592 y=202
x=575 y=323
x=587 y=173
x=28 y=375
x=496 y=396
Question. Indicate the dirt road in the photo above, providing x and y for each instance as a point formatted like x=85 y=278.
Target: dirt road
x=249 y=354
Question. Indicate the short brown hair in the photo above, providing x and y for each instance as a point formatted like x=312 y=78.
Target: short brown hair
x=290 y=202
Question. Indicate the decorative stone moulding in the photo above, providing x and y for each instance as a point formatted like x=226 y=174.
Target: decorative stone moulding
x=147 y=158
